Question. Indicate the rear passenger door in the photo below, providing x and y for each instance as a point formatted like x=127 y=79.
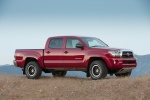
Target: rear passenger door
x=53 y=53
x=73 y=58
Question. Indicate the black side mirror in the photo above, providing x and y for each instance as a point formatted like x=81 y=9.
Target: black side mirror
x=78 y=45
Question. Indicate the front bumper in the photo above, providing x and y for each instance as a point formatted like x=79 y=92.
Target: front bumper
x=123 y=63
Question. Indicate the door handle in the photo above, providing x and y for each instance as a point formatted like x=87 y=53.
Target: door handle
x=66 y=52
x=48 y=52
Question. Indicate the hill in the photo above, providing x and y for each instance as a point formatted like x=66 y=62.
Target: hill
x=10 y=69
x=70 y=88
x=143 y=65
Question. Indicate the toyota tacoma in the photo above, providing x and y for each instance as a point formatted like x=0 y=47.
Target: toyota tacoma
x=75 y=53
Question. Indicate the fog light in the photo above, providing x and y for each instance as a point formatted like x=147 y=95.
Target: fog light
x=115 y=61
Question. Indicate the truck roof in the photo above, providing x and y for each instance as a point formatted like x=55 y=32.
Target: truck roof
x=69 y=36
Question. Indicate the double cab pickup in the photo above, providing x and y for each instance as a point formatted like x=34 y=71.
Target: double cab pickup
x=75 y=53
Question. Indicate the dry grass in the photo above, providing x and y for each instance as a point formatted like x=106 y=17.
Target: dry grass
x=69 y=88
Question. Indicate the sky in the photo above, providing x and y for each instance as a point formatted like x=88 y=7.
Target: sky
x=26 y=24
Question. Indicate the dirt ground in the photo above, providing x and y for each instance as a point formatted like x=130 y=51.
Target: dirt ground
x=74 y=88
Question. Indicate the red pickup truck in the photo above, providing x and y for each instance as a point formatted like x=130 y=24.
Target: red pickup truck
x=74 y=53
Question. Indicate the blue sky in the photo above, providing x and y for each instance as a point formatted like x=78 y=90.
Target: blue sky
x=26 y=24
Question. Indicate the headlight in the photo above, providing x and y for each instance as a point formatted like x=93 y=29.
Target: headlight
x=115 y=53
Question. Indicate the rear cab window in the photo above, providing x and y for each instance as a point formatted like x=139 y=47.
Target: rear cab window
x=56 y=43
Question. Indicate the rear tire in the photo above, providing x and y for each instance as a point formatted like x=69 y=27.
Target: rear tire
x=33 y=70
x=59 y=73
x=124 y=74
x=98 y=70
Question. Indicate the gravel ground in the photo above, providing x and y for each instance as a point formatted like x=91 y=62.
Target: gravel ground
x=74 y=88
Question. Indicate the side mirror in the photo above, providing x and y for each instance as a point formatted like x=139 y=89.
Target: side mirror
x=79 y=46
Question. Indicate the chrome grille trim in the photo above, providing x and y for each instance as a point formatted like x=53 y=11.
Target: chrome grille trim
x=126 y=54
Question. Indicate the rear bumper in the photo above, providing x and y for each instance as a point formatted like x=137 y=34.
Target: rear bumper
x=15 y=63
x=18 y=63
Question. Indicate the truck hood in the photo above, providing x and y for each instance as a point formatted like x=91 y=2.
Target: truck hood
x=108 y=48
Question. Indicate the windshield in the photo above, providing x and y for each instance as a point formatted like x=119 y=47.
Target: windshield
x=93 y=42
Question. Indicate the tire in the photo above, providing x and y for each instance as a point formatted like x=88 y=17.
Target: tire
x=33 y=70
x=59 y=73
x=124 y=74
x=98 y=70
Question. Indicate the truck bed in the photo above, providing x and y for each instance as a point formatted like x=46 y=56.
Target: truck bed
x=22 y=54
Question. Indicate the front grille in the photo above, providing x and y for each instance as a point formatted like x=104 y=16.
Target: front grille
x=127 y=54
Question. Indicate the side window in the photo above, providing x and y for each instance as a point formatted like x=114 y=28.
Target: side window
x=56 y=43
x=71 y=43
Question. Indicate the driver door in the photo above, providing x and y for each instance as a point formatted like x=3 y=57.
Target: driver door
x=73 y=58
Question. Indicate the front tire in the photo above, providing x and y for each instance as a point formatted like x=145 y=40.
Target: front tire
x=59 y=73
x=33 y=70
x=98 y=70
